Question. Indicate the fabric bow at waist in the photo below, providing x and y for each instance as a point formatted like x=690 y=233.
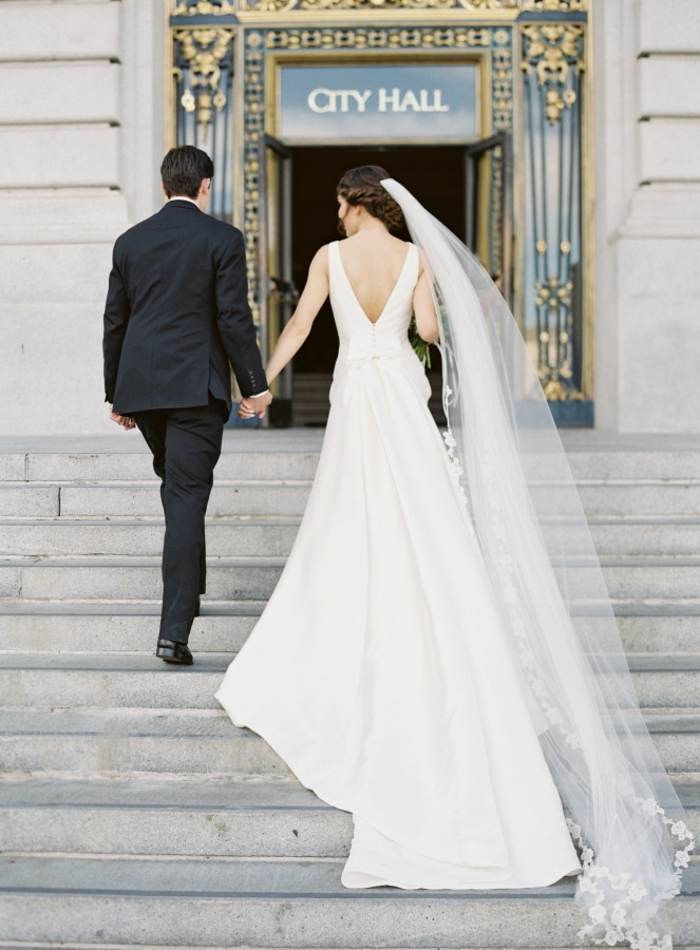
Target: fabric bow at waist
x=375 y=356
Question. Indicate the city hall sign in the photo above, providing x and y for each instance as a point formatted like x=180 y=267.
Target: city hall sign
x=380 y=104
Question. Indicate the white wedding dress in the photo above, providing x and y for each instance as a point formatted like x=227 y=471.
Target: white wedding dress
x=382 y=670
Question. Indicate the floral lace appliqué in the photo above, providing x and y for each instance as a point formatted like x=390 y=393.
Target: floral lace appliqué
x=608 y=897
x=455 y=468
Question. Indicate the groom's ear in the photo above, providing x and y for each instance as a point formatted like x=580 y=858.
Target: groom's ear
x=205 y=187
x=162 y=188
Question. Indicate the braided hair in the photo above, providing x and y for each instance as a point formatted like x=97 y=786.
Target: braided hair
x=361 y=186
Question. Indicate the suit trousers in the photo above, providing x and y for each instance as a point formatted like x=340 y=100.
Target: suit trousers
x=186 y=445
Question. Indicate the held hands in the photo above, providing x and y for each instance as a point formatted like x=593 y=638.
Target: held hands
x=254 y=406
x=126 y=421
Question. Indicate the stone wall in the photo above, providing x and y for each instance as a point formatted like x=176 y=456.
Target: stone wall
x=647 y=76
x=80 y=140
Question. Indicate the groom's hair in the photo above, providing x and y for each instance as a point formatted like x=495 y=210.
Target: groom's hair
x=183 y=170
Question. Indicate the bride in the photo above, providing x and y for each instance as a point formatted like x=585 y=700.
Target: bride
x=440 y=656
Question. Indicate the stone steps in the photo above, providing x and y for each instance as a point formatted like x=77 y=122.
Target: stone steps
x=134 y=814
x=138 y=578
x=264 y=903
x=273 y=536
x=125 y=679
x=58 y=745
x=277 y=497
x=50 y=626
x=117 y=537
x=156 y=815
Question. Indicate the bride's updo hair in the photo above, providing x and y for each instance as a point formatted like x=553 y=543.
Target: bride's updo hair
x=361 y=186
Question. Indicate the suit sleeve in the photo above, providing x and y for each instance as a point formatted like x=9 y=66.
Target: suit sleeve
x=116 y=320
x=235 y=321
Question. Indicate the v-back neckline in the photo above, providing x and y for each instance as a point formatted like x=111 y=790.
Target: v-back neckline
x=388 y=299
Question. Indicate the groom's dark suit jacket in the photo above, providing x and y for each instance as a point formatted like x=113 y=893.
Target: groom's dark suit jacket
x=177 y=313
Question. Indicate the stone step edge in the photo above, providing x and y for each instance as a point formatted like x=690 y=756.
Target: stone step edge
x=135 y=560
x=260 y=519
x=260 y=560
x=651 y=606
x=319 y=807
x=237 y=778
x=224 y=657
x=267 y=859
x=257 y=520
x=38 y=945
x=670 y=608
x=152 y=484
x=68 y=481
x=216 y=712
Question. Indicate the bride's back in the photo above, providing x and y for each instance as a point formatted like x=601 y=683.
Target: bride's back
x=373 y=262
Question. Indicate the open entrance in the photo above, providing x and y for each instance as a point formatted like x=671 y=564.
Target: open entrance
x=434 y=175
x=452 y=182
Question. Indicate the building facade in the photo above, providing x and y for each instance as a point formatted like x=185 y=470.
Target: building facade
x=558 y=138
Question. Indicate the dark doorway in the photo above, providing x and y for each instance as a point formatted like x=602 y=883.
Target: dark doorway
x=434 y=175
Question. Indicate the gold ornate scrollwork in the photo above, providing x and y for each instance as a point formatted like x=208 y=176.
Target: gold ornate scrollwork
x=554 y=49
x=373 y=4
x=203 y=8
x=283 y=6
x=554 y=6
x=388 y=38
x=203 y=50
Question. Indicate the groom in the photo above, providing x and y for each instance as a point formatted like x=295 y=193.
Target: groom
x=176 y=314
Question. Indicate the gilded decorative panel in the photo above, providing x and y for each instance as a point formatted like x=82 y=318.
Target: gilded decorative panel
x=553 y=64
x=495 y=42
x=550 y=135
x=203 y=8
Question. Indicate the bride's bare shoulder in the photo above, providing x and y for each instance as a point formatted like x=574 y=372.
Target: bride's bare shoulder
x=320 y=258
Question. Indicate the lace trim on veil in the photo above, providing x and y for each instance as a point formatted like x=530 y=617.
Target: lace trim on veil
x=608 y=897
x=611 y=897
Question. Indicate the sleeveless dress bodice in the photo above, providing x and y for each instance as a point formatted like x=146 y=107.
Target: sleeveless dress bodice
x=383 y=342
x=380 y=671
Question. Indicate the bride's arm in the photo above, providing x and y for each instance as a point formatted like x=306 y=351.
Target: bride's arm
x=424 y=309
x=299 y=326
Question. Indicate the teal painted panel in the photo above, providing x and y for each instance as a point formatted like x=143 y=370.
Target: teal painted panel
x=379 y=104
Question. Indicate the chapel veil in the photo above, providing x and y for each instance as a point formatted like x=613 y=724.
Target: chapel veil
x=622 y=810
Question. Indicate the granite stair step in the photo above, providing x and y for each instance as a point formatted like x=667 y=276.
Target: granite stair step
x=119 y=537
x=55 y=626
x=138 y=578
x=258 y=496
x=198 y=818
x=124 y=679
x=51 y=626
x=182 y=739
x=234 y=902
x=121 y=499
x=273 y=536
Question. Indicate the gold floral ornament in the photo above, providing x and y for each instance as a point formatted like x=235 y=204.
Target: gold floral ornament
x=281 y=6
x=204 y=8
x=552 y=294
x=558 y=6
x=556 y=383
x=554 y=50
x=203 y=50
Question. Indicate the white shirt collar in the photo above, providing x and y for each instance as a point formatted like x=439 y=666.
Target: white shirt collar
x=183 y=198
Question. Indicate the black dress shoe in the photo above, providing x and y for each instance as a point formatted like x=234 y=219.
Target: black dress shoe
x=173 y=652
